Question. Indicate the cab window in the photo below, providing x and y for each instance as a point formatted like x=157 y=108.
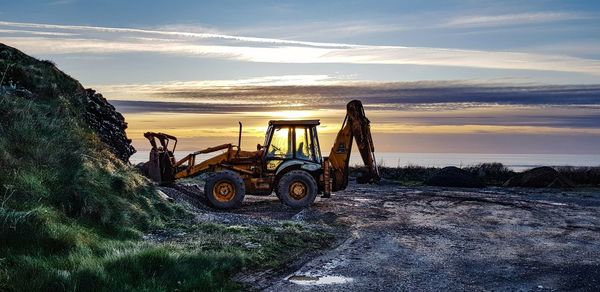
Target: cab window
x=280 y=146
x=305 y=149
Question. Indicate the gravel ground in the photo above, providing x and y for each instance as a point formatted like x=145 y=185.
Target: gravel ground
x=430 y=239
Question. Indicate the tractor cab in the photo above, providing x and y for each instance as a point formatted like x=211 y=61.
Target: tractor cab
x=291 y=143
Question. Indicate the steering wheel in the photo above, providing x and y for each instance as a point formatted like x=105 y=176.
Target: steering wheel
x=275 y=148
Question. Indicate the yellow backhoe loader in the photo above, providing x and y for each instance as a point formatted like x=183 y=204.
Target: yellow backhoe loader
x=289 y=162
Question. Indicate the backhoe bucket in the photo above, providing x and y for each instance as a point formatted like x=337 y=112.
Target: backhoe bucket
x=361 y=131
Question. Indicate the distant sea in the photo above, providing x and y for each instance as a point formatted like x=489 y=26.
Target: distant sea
x=516 y=162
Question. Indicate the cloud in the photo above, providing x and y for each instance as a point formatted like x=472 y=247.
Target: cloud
x=417 y=108
x=492 y=91
x=321 y=29
x=222 y=85
x=513 y=19
x=169 y=33
x=105 y=40
x=328 y=94
x=33 y=32
x=580 y=48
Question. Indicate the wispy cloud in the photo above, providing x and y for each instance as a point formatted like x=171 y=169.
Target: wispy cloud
x=320 y=29
x=168 y=33
x=178 y=86
x=33 y=32
x=585 y=48
x=103 y=40
x=513 y=19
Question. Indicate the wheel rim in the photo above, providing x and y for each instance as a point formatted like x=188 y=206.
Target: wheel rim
x=298 y=190
x=223 y=191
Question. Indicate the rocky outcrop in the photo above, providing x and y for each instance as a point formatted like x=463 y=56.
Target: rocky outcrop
x=110 y=125
x=41 y=80
x=540 y=177
x=454 y=177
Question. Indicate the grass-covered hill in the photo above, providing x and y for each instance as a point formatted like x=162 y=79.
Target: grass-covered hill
x=73 y=214
x=66 y=199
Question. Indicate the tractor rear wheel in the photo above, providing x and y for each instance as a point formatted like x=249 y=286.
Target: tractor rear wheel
x=297 y=189
x=225 y=189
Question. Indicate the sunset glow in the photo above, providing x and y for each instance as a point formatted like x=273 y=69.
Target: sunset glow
x=429 y=81
x=299 y=145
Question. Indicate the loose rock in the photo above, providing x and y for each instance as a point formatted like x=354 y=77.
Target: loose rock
x=110 y=125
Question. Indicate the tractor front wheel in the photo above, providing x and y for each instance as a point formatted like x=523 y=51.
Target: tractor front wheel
x=297 y=189
x=225 y=189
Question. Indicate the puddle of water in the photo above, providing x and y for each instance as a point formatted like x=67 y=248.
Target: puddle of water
x=554 y=203
x=361 y=199
x=322 y=280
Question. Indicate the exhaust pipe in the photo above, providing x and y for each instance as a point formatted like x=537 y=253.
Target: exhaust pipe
x=239 y=140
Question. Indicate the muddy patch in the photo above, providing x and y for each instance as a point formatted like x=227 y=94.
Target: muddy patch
x=438 y=239
x=397 y=238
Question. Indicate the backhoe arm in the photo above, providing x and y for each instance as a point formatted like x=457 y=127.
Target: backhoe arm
x=356 y=126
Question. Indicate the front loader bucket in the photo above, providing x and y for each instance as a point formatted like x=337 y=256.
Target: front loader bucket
x=152 y=167
x=160 y=165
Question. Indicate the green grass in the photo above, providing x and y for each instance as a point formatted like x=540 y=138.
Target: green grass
x=262 y=246
x=72 y=217
x=123 y=265
x=49 y=162
x=205 y=261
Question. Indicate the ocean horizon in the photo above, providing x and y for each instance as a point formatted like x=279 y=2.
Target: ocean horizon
x=516 y=162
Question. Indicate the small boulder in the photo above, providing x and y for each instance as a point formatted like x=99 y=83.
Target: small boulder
x=539 y=177
x=454 y=177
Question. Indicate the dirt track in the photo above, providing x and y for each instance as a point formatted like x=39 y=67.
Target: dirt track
x=432 y=239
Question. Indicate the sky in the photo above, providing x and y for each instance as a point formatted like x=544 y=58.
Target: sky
x=435 y=76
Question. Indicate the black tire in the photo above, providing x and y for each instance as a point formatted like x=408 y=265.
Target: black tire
x=142 y=167
x=225 y=189
x=297 y=180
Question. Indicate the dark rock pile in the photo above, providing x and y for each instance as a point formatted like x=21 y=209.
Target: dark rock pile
x=454 y=177
x=540 y=177
x=110 y=125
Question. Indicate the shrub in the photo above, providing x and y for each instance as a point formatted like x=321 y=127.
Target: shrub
x=582 y=176
x=491 y=173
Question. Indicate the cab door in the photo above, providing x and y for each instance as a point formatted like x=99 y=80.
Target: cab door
x=279 y=147
x=306 y=144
